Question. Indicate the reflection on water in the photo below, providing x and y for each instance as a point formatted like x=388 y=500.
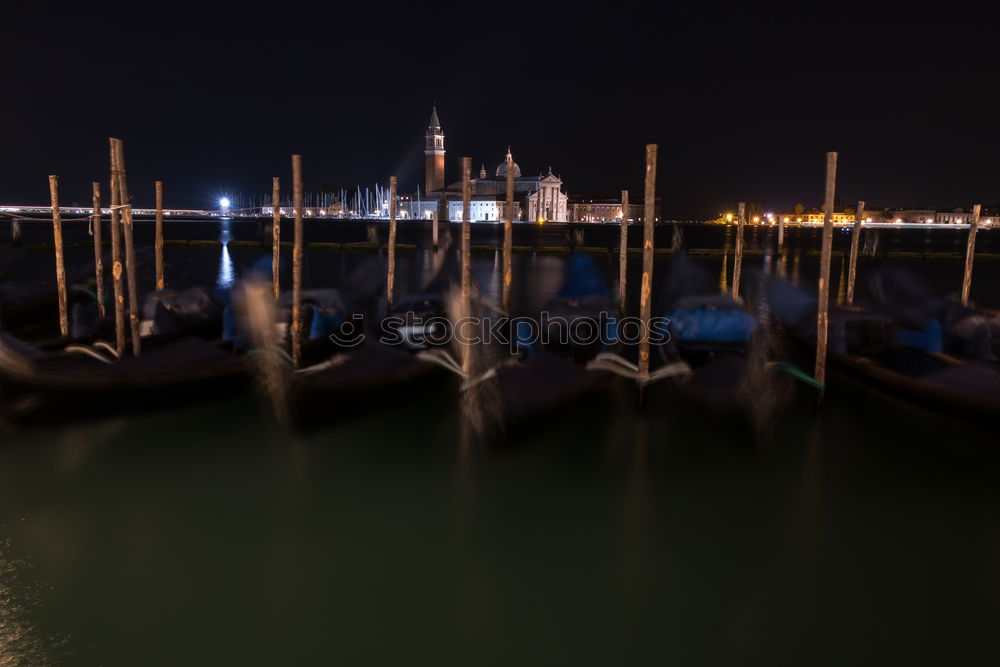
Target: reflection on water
x=226 y=273
x=20 y=643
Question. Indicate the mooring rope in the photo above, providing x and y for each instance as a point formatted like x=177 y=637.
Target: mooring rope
x=89 y=351
x=105 y=345
x=614 y=363
x=444 y=359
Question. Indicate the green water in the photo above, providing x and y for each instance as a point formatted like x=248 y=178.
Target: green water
x=862 y=532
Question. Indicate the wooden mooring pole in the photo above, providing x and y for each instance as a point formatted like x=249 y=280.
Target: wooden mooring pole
x=853 y=261
x=98 y=248
x=781 y=234
x=970 y=254
x=60 y=260
x=276 y=235
x=823 y=303
x=297 y=262
x=466 y=284
x=434 y=230
x=508 y=232
x=390 y=280
x=623 y=255
x=646 y=293
x=117 y=270
x=131 y=265
x=158 y=242
x=738 y=255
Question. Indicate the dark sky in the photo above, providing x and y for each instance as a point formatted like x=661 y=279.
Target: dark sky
x=215 y=101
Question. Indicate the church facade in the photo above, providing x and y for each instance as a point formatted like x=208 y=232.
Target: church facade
x=536 y=198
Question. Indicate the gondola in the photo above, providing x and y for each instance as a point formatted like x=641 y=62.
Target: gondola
x=341 y=380
x=87 y=381
x=722 y=344
x=28 y=305
x=898 y=353
x=550 y=372
x=912 y=302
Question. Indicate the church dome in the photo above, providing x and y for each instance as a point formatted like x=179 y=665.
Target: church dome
x=502 y=168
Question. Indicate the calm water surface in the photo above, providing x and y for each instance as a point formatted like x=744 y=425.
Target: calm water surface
x=861 y=532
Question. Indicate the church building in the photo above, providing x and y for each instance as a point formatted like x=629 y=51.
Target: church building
x=536 y=198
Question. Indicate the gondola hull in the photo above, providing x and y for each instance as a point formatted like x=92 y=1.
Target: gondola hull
x=36 y=386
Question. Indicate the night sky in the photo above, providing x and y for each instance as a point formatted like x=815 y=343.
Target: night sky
x=215 y=102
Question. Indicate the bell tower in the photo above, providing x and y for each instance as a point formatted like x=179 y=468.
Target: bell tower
x=434 y=154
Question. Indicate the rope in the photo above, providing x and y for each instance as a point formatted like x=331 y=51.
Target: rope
x=105 y=345
x=14 y=217
x=89 y=351
x=613 y=363
x=444 y=359
x=332 y=362
x=798 y=374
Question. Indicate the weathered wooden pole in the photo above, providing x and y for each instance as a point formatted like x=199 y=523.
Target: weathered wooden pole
x=131 y=265
x=15 y=230
x=158 y=242
x=466 y=232
x=297 y=262
x=98 y=248
x=276 y=235
x=390 y=280
x=508 y=233
x=970 y=254
x=623 y=255
x=781 y=234
x=646 y=293
x=724 y=274
x=60 y=260
x=823 y=303
x=116 y=253
x=738 y=255
x=853 y=261
x=434 y=230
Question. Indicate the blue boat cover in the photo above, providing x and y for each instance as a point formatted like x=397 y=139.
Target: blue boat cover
x=583 y=278
x=929 y=339
x=710 y=324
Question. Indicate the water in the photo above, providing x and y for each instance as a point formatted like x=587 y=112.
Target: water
x=864 y=531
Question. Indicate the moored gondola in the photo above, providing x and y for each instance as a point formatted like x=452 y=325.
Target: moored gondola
x=899 y=352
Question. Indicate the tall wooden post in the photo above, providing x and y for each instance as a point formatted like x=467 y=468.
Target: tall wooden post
x=60 y=260
x=158 y=243
x=117 y=270
x=508 y=232
x=98 y=248
x=623 y=255
x=15 y=230
x=128 y=233
x=738 y=256
x=781 y=234
x=391 y=278
x=276 y=235
x=297 y=261
x=646 y=294
x=970 y=254
x=823 y=304
x=434 y=229
x=466 y=231
x=853 y=262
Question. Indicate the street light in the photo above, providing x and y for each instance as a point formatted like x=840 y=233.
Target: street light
x=224 y=203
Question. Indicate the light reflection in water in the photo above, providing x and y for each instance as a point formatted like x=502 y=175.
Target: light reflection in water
x=19 y=641
x=226 y=273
